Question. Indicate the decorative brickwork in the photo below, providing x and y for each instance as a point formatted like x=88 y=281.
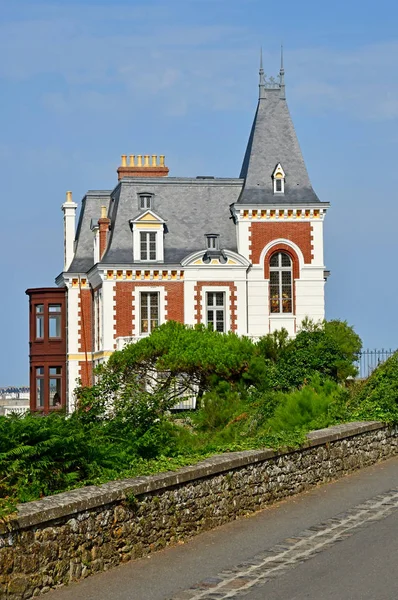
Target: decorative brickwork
x=290 y=252
x=85 y=324
x=174 y=300
x=232 y=300
x=261 y=234
x=124 y=308
x=86 y=372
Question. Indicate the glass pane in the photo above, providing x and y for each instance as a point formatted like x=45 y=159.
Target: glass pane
x=55 y=391
x=144 y=300
x=286 y=305
x=220 y=326
x=144 y=325
x=286 y=277
x=39 y=308
x=154 y=312
x=55 y=370
x=152 y=255
x=286 y=262
x=39 y=326
x=278 y=185
x=39 y=370
x=219 y=298
x=210 y=299
x=274 y=260
x=210 y=316
x=274 y=277
x=152 y=237
x=54 y=308
x=54 y=326
x=154 y=298
x=274 y=299
x=220 y=315
x=39 y=392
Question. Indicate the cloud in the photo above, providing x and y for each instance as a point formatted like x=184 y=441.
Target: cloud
x=97 y=57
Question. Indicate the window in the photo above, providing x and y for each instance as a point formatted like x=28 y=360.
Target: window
x=279 y=185
x=145 y=201
x=147 y=245
x=39 y=310
x=39 y=387
x=216 y=310
x=280 y=283
x=55 y=386
x=279 y=179
x=149 y=311
x=54 y=320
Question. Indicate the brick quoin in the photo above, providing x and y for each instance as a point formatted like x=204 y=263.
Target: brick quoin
x=174 y=296
x=124 y=308
x=232 y=297
x=86 y=373
x=85 y=321
x=261 y=234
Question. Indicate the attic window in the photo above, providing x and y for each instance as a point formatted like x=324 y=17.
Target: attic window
x=279 y=180
x=212 y=241
x=145 y=201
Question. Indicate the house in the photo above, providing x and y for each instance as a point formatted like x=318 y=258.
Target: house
x=243 y=254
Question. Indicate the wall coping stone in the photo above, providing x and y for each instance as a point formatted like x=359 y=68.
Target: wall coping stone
x=83 y=499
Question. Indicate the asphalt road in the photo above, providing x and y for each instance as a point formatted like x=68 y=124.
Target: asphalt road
x=339 y=541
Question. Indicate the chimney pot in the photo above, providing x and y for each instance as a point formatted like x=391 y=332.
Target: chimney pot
x=154 y=157
x=124 y=160
x=146 y=160
x=132 y=157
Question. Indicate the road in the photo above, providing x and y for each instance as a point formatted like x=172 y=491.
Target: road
x=338 y=541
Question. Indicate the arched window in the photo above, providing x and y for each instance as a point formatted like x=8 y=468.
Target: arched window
x=281 y=283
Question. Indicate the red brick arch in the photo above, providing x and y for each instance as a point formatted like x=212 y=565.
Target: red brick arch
x=288 y=250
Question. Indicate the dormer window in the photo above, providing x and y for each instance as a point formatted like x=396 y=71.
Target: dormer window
x=278 y=177
x=212 y=241
x=145 y=201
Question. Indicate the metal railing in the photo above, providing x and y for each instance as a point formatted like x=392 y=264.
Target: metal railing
x=369 y=360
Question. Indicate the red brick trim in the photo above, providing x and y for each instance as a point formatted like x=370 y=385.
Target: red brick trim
x=233 y=299
x=282 y=248
x=174 y=299
x=262 y=233
x=296 y=270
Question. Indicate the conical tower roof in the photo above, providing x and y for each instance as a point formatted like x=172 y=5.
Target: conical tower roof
x=273 y=141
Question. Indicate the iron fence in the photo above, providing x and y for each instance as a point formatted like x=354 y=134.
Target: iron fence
x=369 y=360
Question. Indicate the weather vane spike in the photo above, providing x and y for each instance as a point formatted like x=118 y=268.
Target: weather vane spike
x=282 y=77
x=261 y=84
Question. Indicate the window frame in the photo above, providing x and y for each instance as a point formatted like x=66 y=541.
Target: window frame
x=39 y=318
x=280 y=180
x=40 y=377
x=57 y=316
x=279 y=300
x=147 y=242
x=149 y=293
x=147 y=199
x=214 y=308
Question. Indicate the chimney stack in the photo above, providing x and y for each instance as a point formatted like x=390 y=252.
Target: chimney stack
x=103 y=223
x=147 y=165
x=69 y=209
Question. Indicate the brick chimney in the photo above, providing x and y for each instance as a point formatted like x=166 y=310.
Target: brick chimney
x=142 y=166
x=103 y=223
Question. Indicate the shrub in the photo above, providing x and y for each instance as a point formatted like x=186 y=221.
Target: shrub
x=304 y=409
x=377 y=397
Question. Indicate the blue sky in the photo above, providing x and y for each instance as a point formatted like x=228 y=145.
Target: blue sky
x=83 y=82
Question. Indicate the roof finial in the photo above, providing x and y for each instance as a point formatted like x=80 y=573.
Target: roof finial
x=282 y=77
x=261 y=84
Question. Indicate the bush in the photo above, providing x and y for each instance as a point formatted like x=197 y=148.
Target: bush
x=377 y=397
x=305 y=409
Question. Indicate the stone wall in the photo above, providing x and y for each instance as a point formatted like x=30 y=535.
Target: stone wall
x=71 y=535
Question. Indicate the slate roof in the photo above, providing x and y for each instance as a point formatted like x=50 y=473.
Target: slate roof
x=273 y=140
x=192 y=208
